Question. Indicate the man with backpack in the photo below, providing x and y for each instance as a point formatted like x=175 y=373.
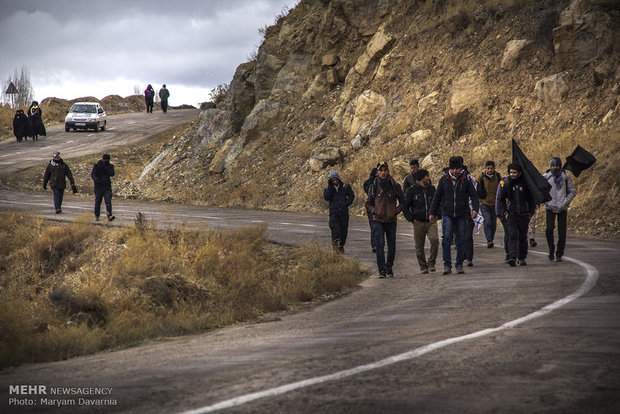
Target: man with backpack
x=562 y=193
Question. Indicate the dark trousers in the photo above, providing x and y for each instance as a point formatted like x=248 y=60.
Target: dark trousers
x=385 y=231
x=373 y=236
x=517 y=235
x=58 y=195
x=106 y=195
x=562 y=219
x=490 y=221
x=164 y=105
x=505 y=227
x=339 y=225
x=458 y=226
x=149 y=105
x=469 y=239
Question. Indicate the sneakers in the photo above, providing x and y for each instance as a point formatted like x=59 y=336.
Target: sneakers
x=389 y=273
x=111 y=218
x=374 y=250
x=381 y=275
x=490 y=244
x=512 y=262
x=447 y=270
x=533 y=243
x=431 y=268
x=551 y=257
x=469 y=263
x=459 y=269
x=506 y=259
x=423 y=271
x=58 y=211
x=522 y=262
x=96 y=218
x=558 y=259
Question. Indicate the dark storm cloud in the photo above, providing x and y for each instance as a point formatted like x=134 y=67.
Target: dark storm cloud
x=192 y=42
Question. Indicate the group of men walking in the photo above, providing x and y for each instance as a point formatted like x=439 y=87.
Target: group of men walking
x=456 y=201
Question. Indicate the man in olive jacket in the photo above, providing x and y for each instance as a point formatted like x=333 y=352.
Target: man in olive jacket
x=55 y=174
x=385 y=202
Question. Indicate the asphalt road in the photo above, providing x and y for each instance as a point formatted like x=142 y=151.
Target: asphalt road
x=541 y=338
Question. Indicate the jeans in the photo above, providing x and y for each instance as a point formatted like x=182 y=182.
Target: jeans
x=469 y=239
x=385 y=231
x=339 y=225
x=458 y=225
x=490 y=221
x=106 y=195
x=58 y=195
x=562 y=218
x=517 y=235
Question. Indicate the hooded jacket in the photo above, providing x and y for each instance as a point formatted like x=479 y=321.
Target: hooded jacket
x=340 y=197
x=55 y=174
x=383 y=196
x=514 y=197
x=418 y=201
x=453 y=196
x=562 y=192
x=101 y=173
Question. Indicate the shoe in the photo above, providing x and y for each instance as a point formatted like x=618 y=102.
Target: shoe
x=431 y=268
x=447 y=270
x=58 y=211
x=96 y=218
x=490 y=245
x=111 y=218
x=522 y=262
x=551 y=256
x=512 y=262
x=389 y=273
x=559 y=259
x=506 y=259
x=533 y=243
x=459 y=269
x=374 y=250
x=469 y=263
x=381 y=275
x=424 y=271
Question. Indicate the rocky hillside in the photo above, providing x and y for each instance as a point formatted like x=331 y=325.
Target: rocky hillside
x=342 y=84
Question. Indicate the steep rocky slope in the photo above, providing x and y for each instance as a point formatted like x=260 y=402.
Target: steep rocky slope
x=342 y=84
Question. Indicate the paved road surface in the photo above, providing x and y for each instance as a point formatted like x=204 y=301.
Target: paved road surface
x=541 y=338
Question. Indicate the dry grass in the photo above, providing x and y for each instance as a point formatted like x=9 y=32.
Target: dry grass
x=74 y=289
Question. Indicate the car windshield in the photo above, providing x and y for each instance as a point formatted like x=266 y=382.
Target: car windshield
x=89 y=109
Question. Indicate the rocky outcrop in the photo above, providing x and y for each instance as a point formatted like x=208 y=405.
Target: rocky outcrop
x=323 y=157
x=512 y=53
x=552 y=89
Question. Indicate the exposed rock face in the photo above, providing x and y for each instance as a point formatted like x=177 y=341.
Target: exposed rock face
x=322 y=157
x=513 y=53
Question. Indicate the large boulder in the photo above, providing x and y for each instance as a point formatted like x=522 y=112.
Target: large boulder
x=362 y=110
x=512 y=53
x=241 y=90
x=324 y=156
x=552 y=88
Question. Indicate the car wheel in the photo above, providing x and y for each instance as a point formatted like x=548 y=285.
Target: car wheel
x=67 y=129
x=97 y=127
x=103 y=127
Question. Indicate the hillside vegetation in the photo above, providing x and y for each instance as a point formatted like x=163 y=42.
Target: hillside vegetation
x=342 y=84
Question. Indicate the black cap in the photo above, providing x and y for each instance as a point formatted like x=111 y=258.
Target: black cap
x=420 y=174
x=456 y=163
x=106 y=157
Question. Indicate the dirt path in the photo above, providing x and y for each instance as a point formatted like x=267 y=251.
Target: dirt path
x=564 y=361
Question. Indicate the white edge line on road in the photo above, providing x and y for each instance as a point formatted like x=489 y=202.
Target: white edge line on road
x=592 y=276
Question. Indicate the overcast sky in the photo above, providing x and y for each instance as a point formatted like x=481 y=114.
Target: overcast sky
x=76 y=48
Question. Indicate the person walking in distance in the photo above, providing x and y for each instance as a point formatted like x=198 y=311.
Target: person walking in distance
x=454 y=191
x=410 y=179
x=418 y=199
x=20 y=125
x=149 y=95
x=517 y=206
x=55 y=174
x=164 y=94
x=487 y=191
x=340 y=197
x=385 y=201
x=101 y=173
x=35 y=117
x=562 y=193
x=367 y=184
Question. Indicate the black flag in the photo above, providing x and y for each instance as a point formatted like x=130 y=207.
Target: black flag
x=578 y=161
x=536 y=183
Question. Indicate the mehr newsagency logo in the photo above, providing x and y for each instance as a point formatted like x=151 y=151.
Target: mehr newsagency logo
x=45 y=396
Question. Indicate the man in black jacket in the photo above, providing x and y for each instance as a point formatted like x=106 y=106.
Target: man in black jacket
x=55 y=174
x=418 y=200
x=101 y=173
x=516 y=205
x=340 y=197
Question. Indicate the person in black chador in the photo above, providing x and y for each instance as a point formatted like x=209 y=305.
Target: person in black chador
x=36 y=122
x=101 y=173
x=55 y=174
x=20 y=125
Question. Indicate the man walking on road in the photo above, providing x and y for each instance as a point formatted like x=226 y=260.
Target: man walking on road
x=454 y=191
x=487 y=190
x=101 y=173
x=340 y=197
x=417 y=208
x=562 y=193
x=385 y=201
x=55 y=174
x=164 y=94
x=410 y=179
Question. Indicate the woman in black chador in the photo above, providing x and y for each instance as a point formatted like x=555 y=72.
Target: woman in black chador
x=36 y=122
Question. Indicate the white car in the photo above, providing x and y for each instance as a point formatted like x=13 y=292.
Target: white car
x=86 y=115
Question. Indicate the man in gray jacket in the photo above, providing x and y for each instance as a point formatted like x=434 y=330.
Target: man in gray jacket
x=562 y=193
